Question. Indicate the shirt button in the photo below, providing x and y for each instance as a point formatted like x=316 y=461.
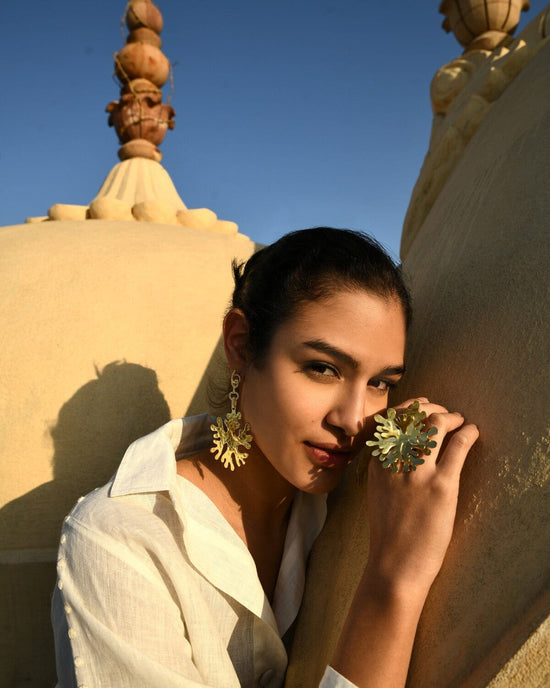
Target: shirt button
x=265 y=678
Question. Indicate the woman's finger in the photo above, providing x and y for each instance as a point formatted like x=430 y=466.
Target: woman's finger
x=445 y=423
x=459 y=444
x=409 y=402
x=423 y=405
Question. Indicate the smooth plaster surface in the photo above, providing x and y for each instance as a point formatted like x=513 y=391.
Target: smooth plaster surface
x=108 y=329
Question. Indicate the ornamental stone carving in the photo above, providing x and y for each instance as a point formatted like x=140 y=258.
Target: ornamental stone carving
x=139 y=189
x=481 y=24
x=462 y=93
x=140 y=118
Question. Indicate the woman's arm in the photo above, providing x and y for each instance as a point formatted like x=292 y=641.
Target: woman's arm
x=411 y=518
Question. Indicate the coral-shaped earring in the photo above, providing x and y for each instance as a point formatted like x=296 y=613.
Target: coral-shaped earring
x=401 y=439
x=228 y=432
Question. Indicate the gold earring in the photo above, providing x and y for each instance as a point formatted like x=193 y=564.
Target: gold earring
x=228 y=432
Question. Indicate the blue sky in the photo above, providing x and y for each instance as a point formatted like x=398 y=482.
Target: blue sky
x=289 y=114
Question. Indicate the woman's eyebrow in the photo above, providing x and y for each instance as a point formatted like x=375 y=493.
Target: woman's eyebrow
x=393 y=370
x=326 y=348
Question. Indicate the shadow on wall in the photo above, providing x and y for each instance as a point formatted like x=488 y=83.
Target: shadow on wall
x=93 y=429
x=212 y=393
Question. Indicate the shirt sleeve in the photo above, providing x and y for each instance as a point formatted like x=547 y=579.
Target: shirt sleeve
x=115 y=622
x=332 y=679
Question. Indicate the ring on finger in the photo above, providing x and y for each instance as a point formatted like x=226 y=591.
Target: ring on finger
x=401 y=438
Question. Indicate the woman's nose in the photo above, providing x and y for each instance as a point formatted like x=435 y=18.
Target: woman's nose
x=349 y=411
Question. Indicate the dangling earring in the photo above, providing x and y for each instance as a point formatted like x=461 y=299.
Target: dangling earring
x=228 y=432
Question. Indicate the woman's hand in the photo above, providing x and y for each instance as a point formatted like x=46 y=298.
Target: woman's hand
x=411 y=515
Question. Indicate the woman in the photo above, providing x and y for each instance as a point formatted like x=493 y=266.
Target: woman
x=180 y=572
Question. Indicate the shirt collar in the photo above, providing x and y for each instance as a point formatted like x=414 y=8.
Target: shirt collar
x=149 y=464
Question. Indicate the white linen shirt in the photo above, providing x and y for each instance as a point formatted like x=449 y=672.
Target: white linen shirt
x=156 y=590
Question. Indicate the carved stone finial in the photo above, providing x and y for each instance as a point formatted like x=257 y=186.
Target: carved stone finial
x=138 y=188
x=140 y=118
x=481 y=24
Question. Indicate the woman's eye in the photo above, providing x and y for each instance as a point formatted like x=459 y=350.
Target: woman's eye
x=322 y=369
x=381 y=385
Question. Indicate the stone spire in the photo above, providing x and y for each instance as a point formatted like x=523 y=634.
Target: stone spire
x=138 y=187
x=140 y=118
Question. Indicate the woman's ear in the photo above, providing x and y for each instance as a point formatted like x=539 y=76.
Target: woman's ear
x=235 y=339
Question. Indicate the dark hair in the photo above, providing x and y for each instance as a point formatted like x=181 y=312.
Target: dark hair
x=308 y=265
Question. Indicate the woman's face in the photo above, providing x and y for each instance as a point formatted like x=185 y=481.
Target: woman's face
x=327 y=372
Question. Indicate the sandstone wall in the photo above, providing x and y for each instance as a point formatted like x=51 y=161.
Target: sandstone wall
x=108 y=329
x=476 y=247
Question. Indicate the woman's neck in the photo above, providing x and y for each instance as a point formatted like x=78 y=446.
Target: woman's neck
x=254 y=499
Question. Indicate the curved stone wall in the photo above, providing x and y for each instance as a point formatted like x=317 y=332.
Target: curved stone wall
x=108 y=329
x=479 y=266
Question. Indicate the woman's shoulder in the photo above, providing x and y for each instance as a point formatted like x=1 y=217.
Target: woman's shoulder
x=130 y=532
x=100 y=512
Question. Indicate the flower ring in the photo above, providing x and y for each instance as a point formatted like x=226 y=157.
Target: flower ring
x=401 y=439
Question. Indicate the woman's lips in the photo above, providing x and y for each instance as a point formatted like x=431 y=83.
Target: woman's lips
x=328 y=456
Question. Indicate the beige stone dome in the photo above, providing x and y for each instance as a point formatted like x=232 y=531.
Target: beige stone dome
x=108 y=329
